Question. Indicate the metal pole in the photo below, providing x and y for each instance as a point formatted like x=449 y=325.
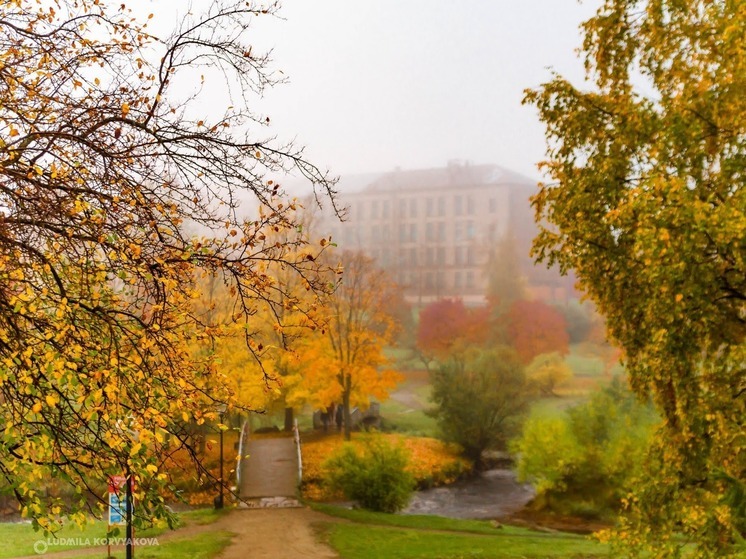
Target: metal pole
x=220 y=502
x=130 y=548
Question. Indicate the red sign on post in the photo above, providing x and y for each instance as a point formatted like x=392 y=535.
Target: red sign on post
x=118 y=499
x=116 y=483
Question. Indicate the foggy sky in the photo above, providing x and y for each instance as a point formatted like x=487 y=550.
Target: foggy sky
x=376 y=85
x=414 y=83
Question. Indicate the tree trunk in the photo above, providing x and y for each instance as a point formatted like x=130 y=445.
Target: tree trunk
x=346 y=406
x=289 y=419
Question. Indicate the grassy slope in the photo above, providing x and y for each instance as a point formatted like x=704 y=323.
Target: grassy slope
x=18 y=538
x=203 y=546
x=373 y=535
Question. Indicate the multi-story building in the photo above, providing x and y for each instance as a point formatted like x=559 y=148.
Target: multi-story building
x=434 y=229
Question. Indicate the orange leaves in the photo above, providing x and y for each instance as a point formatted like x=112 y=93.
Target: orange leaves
x=431 y=462
x=348 y=357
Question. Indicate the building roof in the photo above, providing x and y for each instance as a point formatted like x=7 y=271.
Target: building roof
x=455 y=174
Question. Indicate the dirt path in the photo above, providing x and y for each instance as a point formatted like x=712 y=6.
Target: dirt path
x=274 y=534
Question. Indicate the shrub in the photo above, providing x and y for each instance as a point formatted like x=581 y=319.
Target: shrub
x=374 y=475
x=584 y=462
x=548 y=371
x=431 y=462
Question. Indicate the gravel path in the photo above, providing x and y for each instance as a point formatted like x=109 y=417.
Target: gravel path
x=274 y=534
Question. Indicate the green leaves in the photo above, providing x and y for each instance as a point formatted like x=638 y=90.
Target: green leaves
x=480 y=399
x=648 y=206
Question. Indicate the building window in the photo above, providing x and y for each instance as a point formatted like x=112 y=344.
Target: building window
x=470 y=256
x=470 y=230
x=441 y=206
x=429 y=280
x=469 y=279
x=430 y=259
x=458 y=255
x=413 y=256
x=458 y=202
x=402 y=232
x=413 y=232
x=374 y=209
x=402 y=257
x=385 y=213
x=430 y=232
x=457 y=280
x=441 y=256
x=430 y=207
x=413 y=207
x=458 y=232
x=470 y=207
x=375 y=234
x=439 y=280
x=493 y=205
x=442 y=232
x=402 y=208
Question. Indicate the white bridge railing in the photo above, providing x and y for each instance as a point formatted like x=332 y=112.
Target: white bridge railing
x=296 y=436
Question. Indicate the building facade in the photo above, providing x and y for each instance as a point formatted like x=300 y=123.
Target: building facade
x=434 y=229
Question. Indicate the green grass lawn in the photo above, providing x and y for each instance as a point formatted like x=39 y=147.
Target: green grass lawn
x=203 y=546
x=373 y=535
x=400 y=418
x=584 y=365
x=19 y=538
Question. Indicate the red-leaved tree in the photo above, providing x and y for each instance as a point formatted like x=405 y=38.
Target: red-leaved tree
x=448 y=326
x=534 y=328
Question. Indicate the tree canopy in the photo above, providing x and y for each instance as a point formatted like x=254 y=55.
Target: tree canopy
x=533 y=328
x=107 y=161
x=344 y=364
x=448 y=326
x=648 y=205
x=480 y=399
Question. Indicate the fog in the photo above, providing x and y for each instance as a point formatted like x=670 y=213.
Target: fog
x=374 y=86
x=385 y=84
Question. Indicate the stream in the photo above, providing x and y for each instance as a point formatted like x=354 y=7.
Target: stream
x=491 y=494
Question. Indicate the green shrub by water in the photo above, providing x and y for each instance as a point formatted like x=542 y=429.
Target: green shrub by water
x=583 y=462
x=374 y=476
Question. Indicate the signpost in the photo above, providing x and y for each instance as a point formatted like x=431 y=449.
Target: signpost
x=120 y=508
x=117 y=500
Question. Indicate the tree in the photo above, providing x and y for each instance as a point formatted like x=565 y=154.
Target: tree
x=648 y=206
x=480 y=399
x=547 y=371
x=448 y=326
x=581 y=318
x=534 y=328
x=505 y=281
x=345 y=362
x=106 y=163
